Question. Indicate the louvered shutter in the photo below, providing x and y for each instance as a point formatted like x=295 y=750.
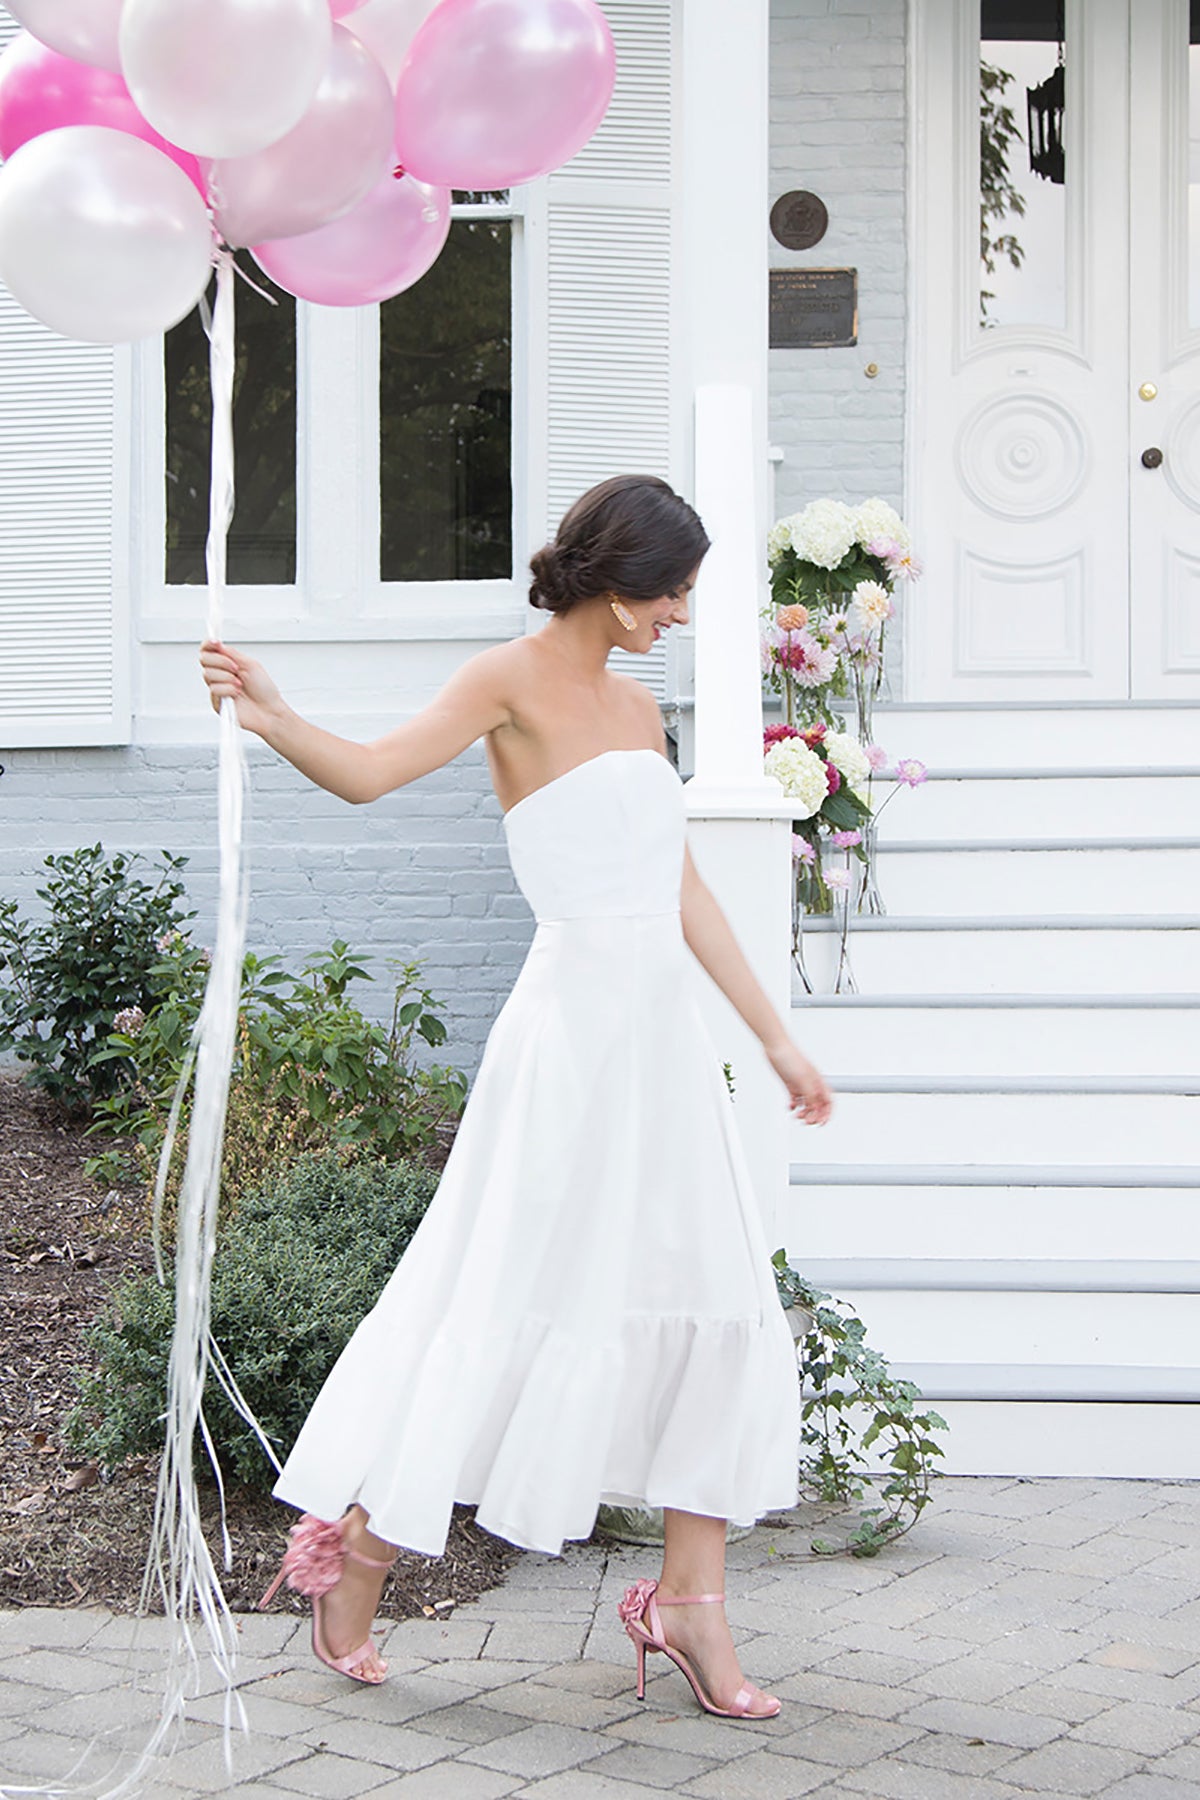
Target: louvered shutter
x=609 y=375
x=63 y=647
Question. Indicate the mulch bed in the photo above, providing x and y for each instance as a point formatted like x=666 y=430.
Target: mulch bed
x=71 y=1535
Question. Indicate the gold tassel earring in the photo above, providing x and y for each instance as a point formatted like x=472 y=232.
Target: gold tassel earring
x=623 y=615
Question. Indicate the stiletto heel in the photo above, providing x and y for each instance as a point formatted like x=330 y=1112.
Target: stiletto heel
x=313 y=1565
x=639 y=1614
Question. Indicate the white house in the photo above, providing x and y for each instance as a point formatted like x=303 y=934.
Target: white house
x=1010 y=1188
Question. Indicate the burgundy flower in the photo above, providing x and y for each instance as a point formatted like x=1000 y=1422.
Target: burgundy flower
x=832 y=777
x=775 y=734
x=814 y=737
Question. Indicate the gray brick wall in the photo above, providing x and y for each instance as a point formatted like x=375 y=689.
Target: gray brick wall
x=838 y=129
x=422 y=873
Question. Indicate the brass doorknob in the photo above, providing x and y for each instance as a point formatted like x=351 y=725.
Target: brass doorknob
x=1148 y=391
x=1152 y=458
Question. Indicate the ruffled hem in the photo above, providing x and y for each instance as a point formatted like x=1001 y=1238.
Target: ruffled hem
x=697 y=1414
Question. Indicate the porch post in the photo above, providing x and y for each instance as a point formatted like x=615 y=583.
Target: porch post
x=740 y=823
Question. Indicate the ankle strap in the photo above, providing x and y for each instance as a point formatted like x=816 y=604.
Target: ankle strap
x=686 y=1599
x=372 y=1562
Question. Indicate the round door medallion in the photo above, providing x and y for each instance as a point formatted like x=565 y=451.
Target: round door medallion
x=799 y=219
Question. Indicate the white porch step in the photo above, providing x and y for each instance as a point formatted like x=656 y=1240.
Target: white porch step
x=1054 y=804
x=1014 y=1123
x=1022 y=876
x=1121 y=1439
x=982 y=1035
x=943 y=1214
x=1033 y=737
x=1031 y=953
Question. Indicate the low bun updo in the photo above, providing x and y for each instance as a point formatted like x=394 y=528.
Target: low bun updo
x=631 y=535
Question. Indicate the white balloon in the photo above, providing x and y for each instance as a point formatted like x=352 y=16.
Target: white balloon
x=83 y=29
x=324 y=166
x=102 y=237
x=224 y=77
x=388 y=27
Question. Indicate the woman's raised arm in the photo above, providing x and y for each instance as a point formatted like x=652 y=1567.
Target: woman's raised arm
x=473 y=702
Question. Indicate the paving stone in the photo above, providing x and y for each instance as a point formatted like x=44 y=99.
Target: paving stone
x=538 y=1750
x=48 y=1756
x=123 y=1631
x=394 y=1702
x=921 y=1646
x=1046 y=1647
x=52 y=1628
x=450 y=1781
x=264 y=1713
x=1152 y=1787
x=846 y=1739
x=761 y=1775
x=21 y=1699
x=994 y=1724
x=70 y=1673
x=532 y=1700
x=1146 y=1730
x=817 y=1688
x=1071 y=1767
x=1182 y=1764
x=959 y=1756
x=90 y=1716
x=970 y=1678
x=898 y=1780
x=604 y=1679
x=1151 y=1594
x=518 y=1641
x=434 y=1641
x=1071 y=1705
x=202 y=1767
x=1148 y=1659
x=467 y=1722
x=393 y=1747
x=650 y=1769
x=577 y=1784
x=327 y=1777
x=696 y=1734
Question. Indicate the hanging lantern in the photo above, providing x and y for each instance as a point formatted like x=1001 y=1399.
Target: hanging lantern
x=1047 y=157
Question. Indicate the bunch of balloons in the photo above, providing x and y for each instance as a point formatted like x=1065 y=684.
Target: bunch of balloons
x=141 y=136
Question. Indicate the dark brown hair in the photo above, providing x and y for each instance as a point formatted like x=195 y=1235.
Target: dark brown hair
x=631 y=535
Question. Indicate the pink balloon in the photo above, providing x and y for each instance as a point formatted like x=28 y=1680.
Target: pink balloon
x=325 y=165
x=386 y=244
x=339 y=8
x=495 y=92
x=42 y=91
x=388 y=27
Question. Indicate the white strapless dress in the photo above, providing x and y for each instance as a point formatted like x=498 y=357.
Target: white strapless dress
x=587 y=1311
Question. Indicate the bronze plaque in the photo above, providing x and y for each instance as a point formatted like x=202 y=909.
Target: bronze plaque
x=813 y=308
x=799 y=219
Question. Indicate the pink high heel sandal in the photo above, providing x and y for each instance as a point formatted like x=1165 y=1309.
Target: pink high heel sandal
x=312 y=1565
x=639 y=1609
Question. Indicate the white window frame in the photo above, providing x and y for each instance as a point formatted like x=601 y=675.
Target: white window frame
x=338 y=595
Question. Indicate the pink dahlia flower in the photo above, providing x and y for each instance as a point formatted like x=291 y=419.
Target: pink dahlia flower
x=803 y=851
x=810 y=663
x=838 y=881
x=877 y=757
x=845 y=840
x=911 y=772
x=775 y=734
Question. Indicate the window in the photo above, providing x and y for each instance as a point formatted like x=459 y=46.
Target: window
x=445 y=405
x=262 y=539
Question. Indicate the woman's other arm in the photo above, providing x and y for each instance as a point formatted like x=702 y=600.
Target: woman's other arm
x=470 y=704
x=712 y=942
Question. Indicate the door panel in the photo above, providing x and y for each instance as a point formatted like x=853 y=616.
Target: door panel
x=1165 y=350
x=1018 y=485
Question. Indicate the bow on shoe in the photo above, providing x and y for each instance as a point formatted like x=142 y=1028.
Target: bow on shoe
x=632 y=1606
x=314 y=1559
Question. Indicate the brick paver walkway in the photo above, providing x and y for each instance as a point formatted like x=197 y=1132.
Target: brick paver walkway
x=1029 y=1637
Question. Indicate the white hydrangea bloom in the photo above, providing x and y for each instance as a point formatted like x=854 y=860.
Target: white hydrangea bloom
x=849 y=759
x=876 y=519
x=823 y=533
x=801 y=773
x=779 y=538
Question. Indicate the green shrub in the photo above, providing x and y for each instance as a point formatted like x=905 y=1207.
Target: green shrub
x=93 y=957
x=298 y=1264
x=310 y=1070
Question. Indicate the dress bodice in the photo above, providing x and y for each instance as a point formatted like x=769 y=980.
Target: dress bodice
x=604 y=839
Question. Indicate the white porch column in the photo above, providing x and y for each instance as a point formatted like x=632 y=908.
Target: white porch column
x=740 y=823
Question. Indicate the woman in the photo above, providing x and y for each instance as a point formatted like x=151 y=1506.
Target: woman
x=587 y=1311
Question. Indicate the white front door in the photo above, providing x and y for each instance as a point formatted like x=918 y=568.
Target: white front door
x=1059 y=565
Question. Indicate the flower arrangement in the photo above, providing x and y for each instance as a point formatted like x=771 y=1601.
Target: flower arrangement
x=834 y=569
